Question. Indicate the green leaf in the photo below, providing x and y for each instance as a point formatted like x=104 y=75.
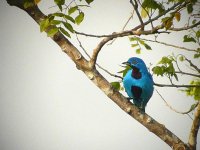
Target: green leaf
x=69 y=18
x=147 y=46
x=198 y=34
x=176 y=77
x=116 y=85
x=144 y=13
x=58 y=14
x=165 y=19
x=124 y=72
x=138 y=51
x=181 y=58
x=141 y=41
x=194 y=21
x=79 y=18
x=152 y=4
x=189 y=8
x=134 y=45
x=170 y=69
x=44 y=24
x=59 y=3
x=89 y=1
x=52 y=32
x=64 y=32
x=165 y=60
x=158 y=70
x=187 y=38
x=195 y=91
x=68 y=26
x=55 y=22
x=133 y=39
x=72 y=10
x=196 y=55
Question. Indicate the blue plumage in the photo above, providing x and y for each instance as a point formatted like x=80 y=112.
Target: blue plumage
x=138 y=82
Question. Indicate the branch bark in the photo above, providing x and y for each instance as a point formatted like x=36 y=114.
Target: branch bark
x=194 y=130
x=152 y=125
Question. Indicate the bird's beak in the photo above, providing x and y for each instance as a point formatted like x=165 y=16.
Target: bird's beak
x=126 y=63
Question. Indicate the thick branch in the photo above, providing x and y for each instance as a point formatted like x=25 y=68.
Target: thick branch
x=194 y=130
x=152 y=125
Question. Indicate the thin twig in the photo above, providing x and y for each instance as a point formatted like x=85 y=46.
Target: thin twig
x=179 y=112
x=186 y=73
x=167 y=44
x=185 y=28
x=135 y=6
x=175 y=85
x=132 y=31
x=84 y=50
x=80 y=44
x=131 y=16
x=192 y=65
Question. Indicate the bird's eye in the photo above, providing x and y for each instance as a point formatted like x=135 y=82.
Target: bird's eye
x=134 y=62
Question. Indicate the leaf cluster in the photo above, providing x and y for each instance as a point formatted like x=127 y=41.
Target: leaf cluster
x=149 y=6
x=165 y=67
x=138 y=44
x=62 y=21
x=194 y=91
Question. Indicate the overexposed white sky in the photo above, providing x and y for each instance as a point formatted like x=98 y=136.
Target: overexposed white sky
x=46 y=103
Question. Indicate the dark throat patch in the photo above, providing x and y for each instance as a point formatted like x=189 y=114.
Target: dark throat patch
x=136 y=73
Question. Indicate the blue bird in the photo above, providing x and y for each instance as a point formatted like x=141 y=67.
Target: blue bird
x=138 y=82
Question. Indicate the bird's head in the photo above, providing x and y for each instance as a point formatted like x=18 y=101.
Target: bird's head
x=136 y=64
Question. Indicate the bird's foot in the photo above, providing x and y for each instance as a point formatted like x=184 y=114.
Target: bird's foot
x=142 y=110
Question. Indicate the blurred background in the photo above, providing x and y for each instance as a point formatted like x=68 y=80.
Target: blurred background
x=46 y=103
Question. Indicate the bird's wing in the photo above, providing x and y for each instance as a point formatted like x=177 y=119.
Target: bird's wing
x=137 y=92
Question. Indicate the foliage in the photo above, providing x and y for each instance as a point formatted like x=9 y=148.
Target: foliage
x=139 y=44
x=61 y=21
x=193 y=91
x=166 y=67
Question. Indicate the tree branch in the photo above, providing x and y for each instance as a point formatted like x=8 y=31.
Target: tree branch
x=134 y=31
x=167 y=44
x=194 y=130
x=189 y=74
x=185 y=28
x=152 y=125
x=192 y=65
x=173 y=109
x=111 y=74
x=175 y=85
x=135 y=6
